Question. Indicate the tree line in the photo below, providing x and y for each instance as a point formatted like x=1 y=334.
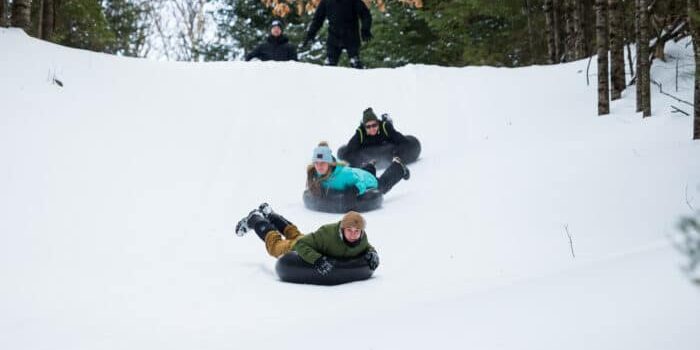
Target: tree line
x=505 y=33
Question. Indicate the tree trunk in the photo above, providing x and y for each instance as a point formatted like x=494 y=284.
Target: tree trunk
x=617 y=53
x=47 y=23
x=21 y=14
x=550 y=30
x=558 y=32
x=570 y=39
x=694 y=19
x=601 y=26
x=40 y=13
x=530 y=33
x=644 y=65
x=637 y=39
x=3 y=15
x=579 y=32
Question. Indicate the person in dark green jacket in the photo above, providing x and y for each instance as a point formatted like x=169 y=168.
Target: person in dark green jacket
x=345 y=239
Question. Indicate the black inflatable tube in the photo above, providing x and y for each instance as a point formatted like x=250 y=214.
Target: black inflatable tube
x=382 y=154
x=336 y=201
x=292 y=268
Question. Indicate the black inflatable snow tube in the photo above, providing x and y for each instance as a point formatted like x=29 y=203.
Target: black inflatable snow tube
x=382 y=154
x=336 y=201
x=292 y=268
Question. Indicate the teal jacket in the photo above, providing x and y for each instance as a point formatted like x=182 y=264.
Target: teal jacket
x=344 y=177
x=328 y=241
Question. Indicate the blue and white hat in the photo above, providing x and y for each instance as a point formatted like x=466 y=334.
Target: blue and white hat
x=322 y=153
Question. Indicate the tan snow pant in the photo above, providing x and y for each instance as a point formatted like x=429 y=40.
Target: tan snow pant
x=278 y=244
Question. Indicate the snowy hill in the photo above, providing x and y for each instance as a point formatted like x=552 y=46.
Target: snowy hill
x=119 y=191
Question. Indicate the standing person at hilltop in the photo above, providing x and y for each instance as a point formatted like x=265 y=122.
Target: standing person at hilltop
x=276 y=47
x=343 y=29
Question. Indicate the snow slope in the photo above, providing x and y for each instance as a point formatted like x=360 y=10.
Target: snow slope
x=120 y=189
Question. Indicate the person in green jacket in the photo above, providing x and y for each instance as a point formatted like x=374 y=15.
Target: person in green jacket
x=325 y=173
x=344 y=239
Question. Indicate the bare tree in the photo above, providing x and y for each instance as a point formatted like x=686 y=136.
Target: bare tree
x=191 y=14
x=180 y=28
x=694 y=16
x=21 y=14
x=644 y=79
x=601 y=26
x=617 y=54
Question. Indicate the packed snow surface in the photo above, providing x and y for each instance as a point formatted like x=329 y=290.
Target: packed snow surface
x=528 y=223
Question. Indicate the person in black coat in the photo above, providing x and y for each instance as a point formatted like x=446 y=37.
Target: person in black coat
x=275 y=48
x=375 y=132
x=343 y=28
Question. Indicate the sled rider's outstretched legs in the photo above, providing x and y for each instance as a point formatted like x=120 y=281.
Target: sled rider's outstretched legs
x=278 y=233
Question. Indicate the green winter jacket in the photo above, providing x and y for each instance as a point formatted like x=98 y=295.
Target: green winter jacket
x=328 y=241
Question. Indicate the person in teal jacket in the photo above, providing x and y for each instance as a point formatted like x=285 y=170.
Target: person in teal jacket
x=325 y=174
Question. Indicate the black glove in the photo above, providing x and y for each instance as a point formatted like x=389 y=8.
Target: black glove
x=366 y=35
x=352 y=192
x=323 y=265
x=350 y=198
x=387 y=118
x=372 y=259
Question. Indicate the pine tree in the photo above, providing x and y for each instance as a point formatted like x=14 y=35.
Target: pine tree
x=127 y=19
x=401 y=36
x=81 y=24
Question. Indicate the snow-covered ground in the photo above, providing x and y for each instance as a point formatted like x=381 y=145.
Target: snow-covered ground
x=120 y=189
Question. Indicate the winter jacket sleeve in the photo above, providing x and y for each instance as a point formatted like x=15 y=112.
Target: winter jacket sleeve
x=355 y=141
x=361 y=186
x=254 y=54
x=370 y=248
x=308 y=246
x=394 y=136
x=292 y=54
x=365 y=16
x=317 y=22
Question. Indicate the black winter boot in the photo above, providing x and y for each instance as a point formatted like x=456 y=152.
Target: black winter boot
x=279 y=221
x=256 y=221
x=392 y=175
x=406 y=172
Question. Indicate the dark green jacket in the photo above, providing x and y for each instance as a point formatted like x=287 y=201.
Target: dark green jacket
x=327 y=241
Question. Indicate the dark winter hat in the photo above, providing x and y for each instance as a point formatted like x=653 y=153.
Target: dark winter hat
x=368 y=115
x=276 y=23
x=353 y=219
